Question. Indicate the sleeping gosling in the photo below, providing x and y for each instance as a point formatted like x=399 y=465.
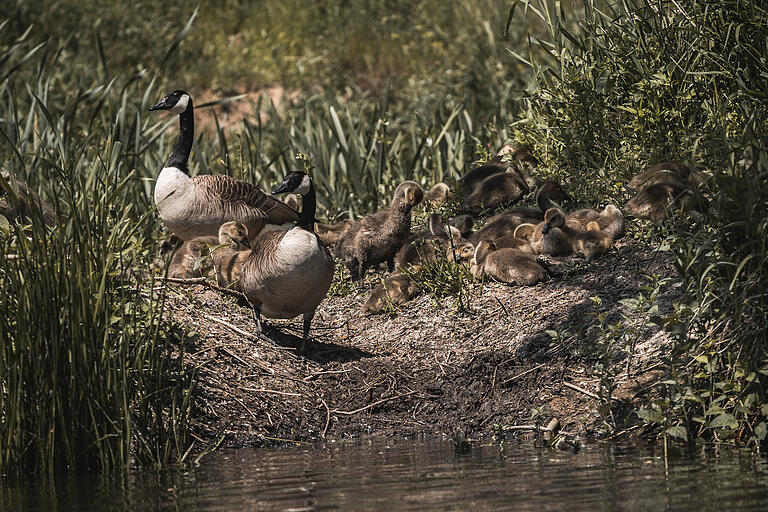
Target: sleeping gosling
x=510 y=266
x=658 y=201
x=665 y=172
x=469 y=182
x=186 y=262
x=461 y=254
x=610 y=220
x=425 y=246
x=554 y=236
x=593 y=242
x=502 y=226
x=497 y=190
x=377 y=237
x=396 y=289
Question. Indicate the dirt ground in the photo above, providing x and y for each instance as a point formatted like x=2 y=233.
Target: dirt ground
x=430 y=369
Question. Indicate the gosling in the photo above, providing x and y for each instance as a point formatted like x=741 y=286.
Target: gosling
x=377 y=237
x=229 y=259
x=188 y=262
x=510 y=266
x=437 y=195
x=610 y=220
x=396 y=289
x=593 y=242
x=554 y=236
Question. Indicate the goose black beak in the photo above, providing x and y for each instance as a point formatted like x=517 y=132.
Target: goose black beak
x=283 y=187
x=160 y=105
x=545 y=229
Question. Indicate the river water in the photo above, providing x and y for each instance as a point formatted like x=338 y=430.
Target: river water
x=419 y=475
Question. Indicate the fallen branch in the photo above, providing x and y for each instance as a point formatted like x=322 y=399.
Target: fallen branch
x=374 y=404
x=526 y=372
x=580 y=390
x=275 y=392
x=205 y=282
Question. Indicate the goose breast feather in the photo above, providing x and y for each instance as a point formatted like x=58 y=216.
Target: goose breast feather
x=288 y=273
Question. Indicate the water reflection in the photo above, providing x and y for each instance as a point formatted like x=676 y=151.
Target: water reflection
x=418 y=475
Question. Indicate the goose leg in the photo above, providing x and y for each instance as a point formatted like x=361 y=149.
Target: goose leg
x=307 y=321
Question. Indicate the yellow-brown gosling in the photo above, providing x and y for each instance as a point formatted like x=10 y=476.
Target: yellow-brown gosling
x=397 y=288
x=510 y=266
x=186 y=262
x=593 y=242
x=229 y=260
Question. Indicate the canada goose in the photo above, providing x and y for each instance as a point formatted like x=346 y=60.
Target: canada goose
x=554 y=236
x=665 y=172
x=510 y=266
x=427 y=245
x=229 y=260
x=378 y=236
x=593 y=242
x=189 y=254
x=196 y=207
x=465 y=224
x=396 y=289
x=610 y=220
x=331 y=233
x=27 y=201
x=656 y=202
x=288 y=273
x=438 y=194
x=503 y=225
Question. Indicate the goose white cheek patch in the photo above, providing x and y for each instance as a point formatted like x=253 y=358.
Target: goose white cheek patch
x=303 y=188
x=181 y=105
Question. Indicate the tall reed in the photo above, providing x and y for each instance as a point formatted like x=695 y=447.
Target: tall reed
x=91 y=371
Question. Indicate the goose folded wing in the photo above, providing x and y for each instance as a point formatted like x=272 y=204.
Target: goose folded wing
x=231 y=190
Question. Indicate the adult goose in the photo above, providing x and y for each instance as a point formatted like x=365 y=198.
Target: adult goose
x=288 y=273
x=196 y=207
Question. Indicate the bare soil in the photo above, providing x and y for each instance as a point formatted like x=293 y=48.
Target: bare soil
x=429 y=369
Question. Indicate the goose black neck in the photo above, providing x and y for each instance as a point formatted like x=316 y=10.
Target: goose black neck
x=308 y=206
x=180 y=153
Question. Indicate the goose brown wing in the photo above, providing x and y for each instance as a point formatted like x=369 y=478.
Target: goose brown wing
x=231 y=190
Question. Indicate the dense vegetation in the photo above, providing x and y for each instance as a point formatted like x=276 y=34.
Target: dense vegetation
x=92 y=372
